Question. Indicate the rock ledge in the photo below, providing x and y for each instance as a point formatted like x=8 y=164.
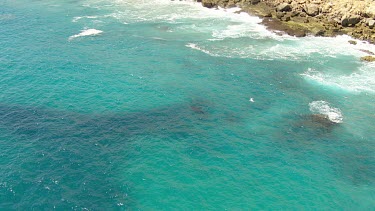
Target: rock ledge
x=315 y=17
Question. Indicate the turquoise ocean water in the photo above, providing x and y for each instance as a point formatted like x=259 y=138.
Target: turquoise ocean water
x=165 y=105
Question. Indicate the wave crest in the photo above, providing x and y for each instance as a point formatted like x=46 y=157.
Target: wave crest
x=359 y=81
x=86 y=32
x=324 y=108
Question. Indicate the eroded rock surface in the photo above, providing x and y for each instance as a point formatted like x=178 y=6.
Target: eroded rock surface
x=317 y=17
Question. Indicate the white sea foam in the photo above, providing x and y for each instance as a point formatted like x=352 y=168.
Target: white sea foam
x=75 y=19
x=228 y=33
x=158 y=38
x=323 y=107
x=362 y=80
x=86 y=32
x=212 y=21
x=194 y=46
x=220 y=24
x=266 y=47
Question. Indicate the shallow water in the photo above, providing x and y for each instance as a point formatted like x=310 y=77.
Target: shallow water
x=167 y=105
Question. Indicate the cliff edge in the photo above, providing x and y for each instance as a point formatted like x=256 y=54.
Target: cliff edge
x=316 y=17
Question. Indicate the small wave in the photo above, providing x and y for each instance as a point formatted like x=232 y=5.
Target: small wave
x=7 y=16
x=75 y=19
x=196 y=47
x=158 y=38
x=86 y=32
x=323 y=107
x=362 y=80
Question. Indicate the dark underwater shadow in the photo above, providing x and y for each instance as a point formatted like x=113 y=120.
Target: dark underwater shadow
x=73 y=159
x=351 y=160
x=356 y=165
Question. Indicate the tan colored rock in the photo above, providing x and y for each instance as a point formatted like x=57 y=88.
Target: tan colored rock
x=353 y=17
x=353 y=20
x=279 y=15
x=368 y=59
x=284 y=7
x=371 y=24
x=353 y=42
x=367 y=51
x=327 y=8
x=311 y=9
x=208 y=3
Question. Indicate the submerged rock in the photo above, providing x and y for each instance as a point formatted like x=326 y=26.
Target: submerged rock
x=319 y=123
x=197 y=109
x=322 y=119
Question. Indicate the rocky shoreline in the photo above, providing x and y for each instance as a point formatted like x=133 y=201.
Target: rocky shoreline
x=300 y=18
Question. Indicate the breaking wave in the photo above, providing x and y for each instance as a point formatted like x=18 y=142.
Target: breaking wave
x=86 y=32
x=323 y=107
x=196 y=47
x=362 y=80
x=233 y=34
x=75 y=19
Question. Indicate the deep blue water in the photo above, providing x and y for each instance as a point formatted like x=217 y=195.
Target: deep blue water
x=160 y=105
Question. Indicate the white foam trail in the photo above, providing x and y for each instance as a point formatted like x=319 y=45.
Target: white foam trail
x=194 y=46
x=158 y=38
x=323 y=107
x=86 y=32
x=75 y=19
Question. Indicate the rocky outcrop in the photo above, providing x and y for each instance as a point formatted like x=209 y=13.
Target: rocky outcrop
x=209 y=4
x=322 y=120
x=317 y=17
x=371 y=23
x=284 y=7
x=311 y=9
x=367 y=51
x=353 y=42
x=368 y=59
x=350 y=20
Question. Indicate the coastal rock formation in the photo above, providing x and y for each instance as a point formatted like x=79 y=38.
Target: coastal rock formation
x=371 y=23
x=368 y=59
x=311 y=9
x=367 y=51
x=284 y=7
x=317 y=17
x=322 y=120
